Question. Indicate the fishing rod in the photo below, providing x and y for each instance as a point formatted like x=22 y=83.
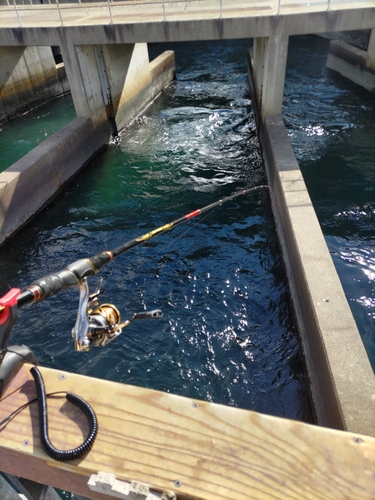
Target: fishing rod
x=95 y=325
x=74 y=273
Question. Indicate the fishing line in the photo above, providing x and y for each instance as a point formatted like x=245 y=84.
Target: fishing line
x=74 y=274
x=25 y=358
x=162 y=249
x=183 y=234
x=14 y=413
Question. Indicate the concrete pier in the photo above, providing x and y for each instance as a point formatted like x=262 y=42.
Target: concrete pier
x=95 y=51
x=341 y=378
x=111 y=84
x=269 y=66
x=30 y=183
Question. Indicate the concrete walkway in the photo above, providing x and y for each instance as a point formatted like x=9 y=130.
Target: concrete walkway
x=7 y=492
x=146 y=11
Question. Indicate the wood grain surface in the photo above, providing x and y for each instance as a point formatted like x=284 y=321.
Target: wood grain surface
x=196 y=449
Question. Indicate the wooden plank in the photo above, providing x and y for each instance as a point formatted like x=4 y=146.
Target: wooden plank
x=193 y=448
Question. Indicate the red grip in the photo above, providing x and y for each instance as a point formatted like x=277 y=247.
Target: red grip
x=6 y=302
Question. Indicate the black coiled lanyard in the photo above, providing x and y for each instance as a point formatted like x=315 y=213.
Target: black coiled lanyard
x=63 y=455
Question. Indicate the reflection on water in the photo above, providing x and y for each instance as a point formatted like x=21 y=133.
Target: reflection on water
x=227 y=334
x=332 y=128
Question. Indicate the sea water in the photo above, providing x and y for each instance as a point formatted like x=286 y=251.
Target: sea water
x=227 y=334
x=331 y=125
x=19 y=136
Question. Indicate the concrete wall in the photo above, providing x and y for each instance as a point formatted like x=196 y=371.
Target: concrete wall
x=269 y=62
x=341 y=378
x=355 y=64
x=111 y=83
x=28 y=77
x=128 y=71
x=160 y=72
x=35 y=179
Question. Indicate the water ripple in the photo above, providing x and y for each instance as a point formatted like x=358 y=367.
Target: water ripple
x=227 y=334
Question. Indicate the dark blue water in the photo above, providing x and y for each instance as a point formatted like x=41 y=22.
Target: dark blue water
x=331 y=125
x=227 y=334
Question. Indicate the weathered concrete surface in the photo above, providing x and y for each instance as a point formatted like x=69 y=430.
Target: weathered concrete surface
x=113 y=83
x=352 y=63
x=7 y=492
x=35 y=179
x=161 y=72
x=28 y=78
x=258 y=24
x=341 y=378
x=137 y=81
x=128 y=73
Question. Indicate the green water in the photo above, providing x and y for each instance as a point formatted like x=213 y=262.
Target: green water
x=24 y=133
x=227 y=334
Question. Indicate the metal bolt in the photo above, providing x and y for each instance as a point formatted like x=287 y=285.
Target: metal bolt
x=177 y=483
x=62 y=377
x=195 y=405
x=358 y=440
x=26 y=442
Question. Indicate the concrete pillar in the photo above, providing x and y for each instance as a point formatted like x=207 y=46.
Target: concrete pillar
x=268 y=72
x=73 y=72
x=111 y=83
x=128 y=72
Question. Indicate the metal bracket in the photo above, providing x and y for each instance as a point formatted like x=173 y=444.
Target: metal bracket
x=107 y=484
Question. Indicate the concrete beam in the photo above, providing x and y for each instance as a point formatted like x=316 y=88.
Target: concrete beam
x=70 y=55
x=341 y=378
x=194 y=29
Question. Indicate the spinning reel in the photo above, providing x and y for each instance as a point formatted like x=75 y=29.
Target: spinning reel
x=97 y=325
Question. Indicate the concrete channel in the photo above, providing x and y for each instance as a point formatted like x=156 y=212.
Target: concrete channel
x=341 y=378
